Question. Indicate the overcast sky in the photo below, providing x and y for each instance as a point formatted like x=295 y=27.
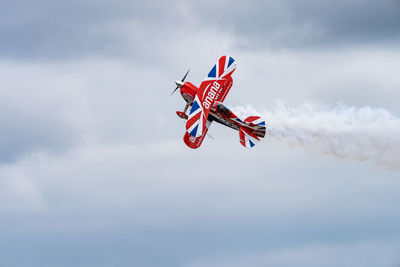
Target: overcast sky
x=93 y=168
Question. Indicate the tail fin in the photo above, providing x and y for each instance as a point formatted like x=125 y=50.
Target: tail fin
x=257 y=124
x=249 y=134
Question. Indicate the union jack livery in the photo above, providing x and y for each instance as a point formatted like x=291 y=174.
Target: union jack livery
x=206 y=106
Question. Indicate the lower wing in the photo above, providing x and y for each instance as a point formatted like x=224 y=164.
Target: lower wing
x=195 y=142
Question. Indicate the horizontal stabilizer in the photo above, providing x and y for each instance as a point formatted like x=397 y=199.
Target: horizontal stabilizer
x=247 y=137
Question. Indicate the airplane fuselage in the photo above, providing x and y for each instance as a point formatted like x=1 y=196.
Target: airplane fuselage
x=218 y=112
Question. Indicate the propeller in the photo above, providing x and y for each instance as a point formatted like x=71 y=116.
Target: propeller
x=179 y=84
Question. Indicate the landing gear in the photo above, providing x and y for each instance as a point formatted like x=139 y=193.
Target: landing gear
x=182 y=115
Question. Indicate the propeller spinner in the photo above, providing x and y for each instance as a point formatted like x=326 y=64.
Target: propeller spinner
x=179 y=84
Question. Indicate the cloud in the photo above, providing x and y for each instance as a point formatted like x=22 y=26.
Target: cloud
x=355 y=254
x=76 y=29
x=49 y=31
x=137 y=200
x=86 y=29
x=93 y=170
x=39 y=108
x=362 y=76
x=59 y=105
x=18 y=193
x=303 y=24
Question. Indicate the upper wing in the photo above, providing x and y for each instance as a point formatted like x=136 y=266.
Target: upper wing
x=214 y=87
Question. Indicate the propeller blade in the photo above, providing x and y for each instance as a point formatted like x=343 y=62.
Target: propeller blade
x=179 y=84
x=184 y=77
x=174 y=90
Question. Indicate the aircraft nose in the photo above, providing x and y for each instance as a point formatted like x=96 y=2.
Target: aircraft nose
x=179 y=83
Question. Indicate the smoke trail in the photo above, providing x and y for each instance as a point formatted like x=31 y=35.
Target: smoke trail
x=364 y=134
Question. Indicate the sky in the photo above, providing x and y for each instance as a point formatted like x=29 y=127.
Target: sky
x=93 y=168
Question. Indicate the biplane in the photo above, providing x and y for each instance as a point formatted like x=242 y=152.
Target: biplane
x=205 y=105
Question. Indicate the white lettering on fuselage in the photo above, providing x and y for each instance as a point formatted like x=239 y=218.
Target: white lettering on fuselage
x=211 y=95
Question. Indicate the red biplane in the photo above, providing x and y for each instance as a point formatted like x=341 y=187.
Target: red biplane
x=206 y=106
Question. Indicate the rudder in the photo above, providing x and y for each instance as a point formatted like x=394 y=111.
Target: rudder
x=251 y=133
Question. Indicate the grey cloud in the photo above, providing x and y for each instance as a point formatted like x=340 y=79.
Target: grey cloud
x=144 y=205
x=58 y=30
x=53 y=107
x=351 y=21
x=57 y=106
x=355 y=254
x=24 y=134
x=100 y=174
x=291 y=24
x=37 y=111
x=74 y=29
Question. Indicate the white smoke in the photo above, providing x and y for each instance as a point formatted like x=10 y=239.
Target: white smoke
x=364 y=134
